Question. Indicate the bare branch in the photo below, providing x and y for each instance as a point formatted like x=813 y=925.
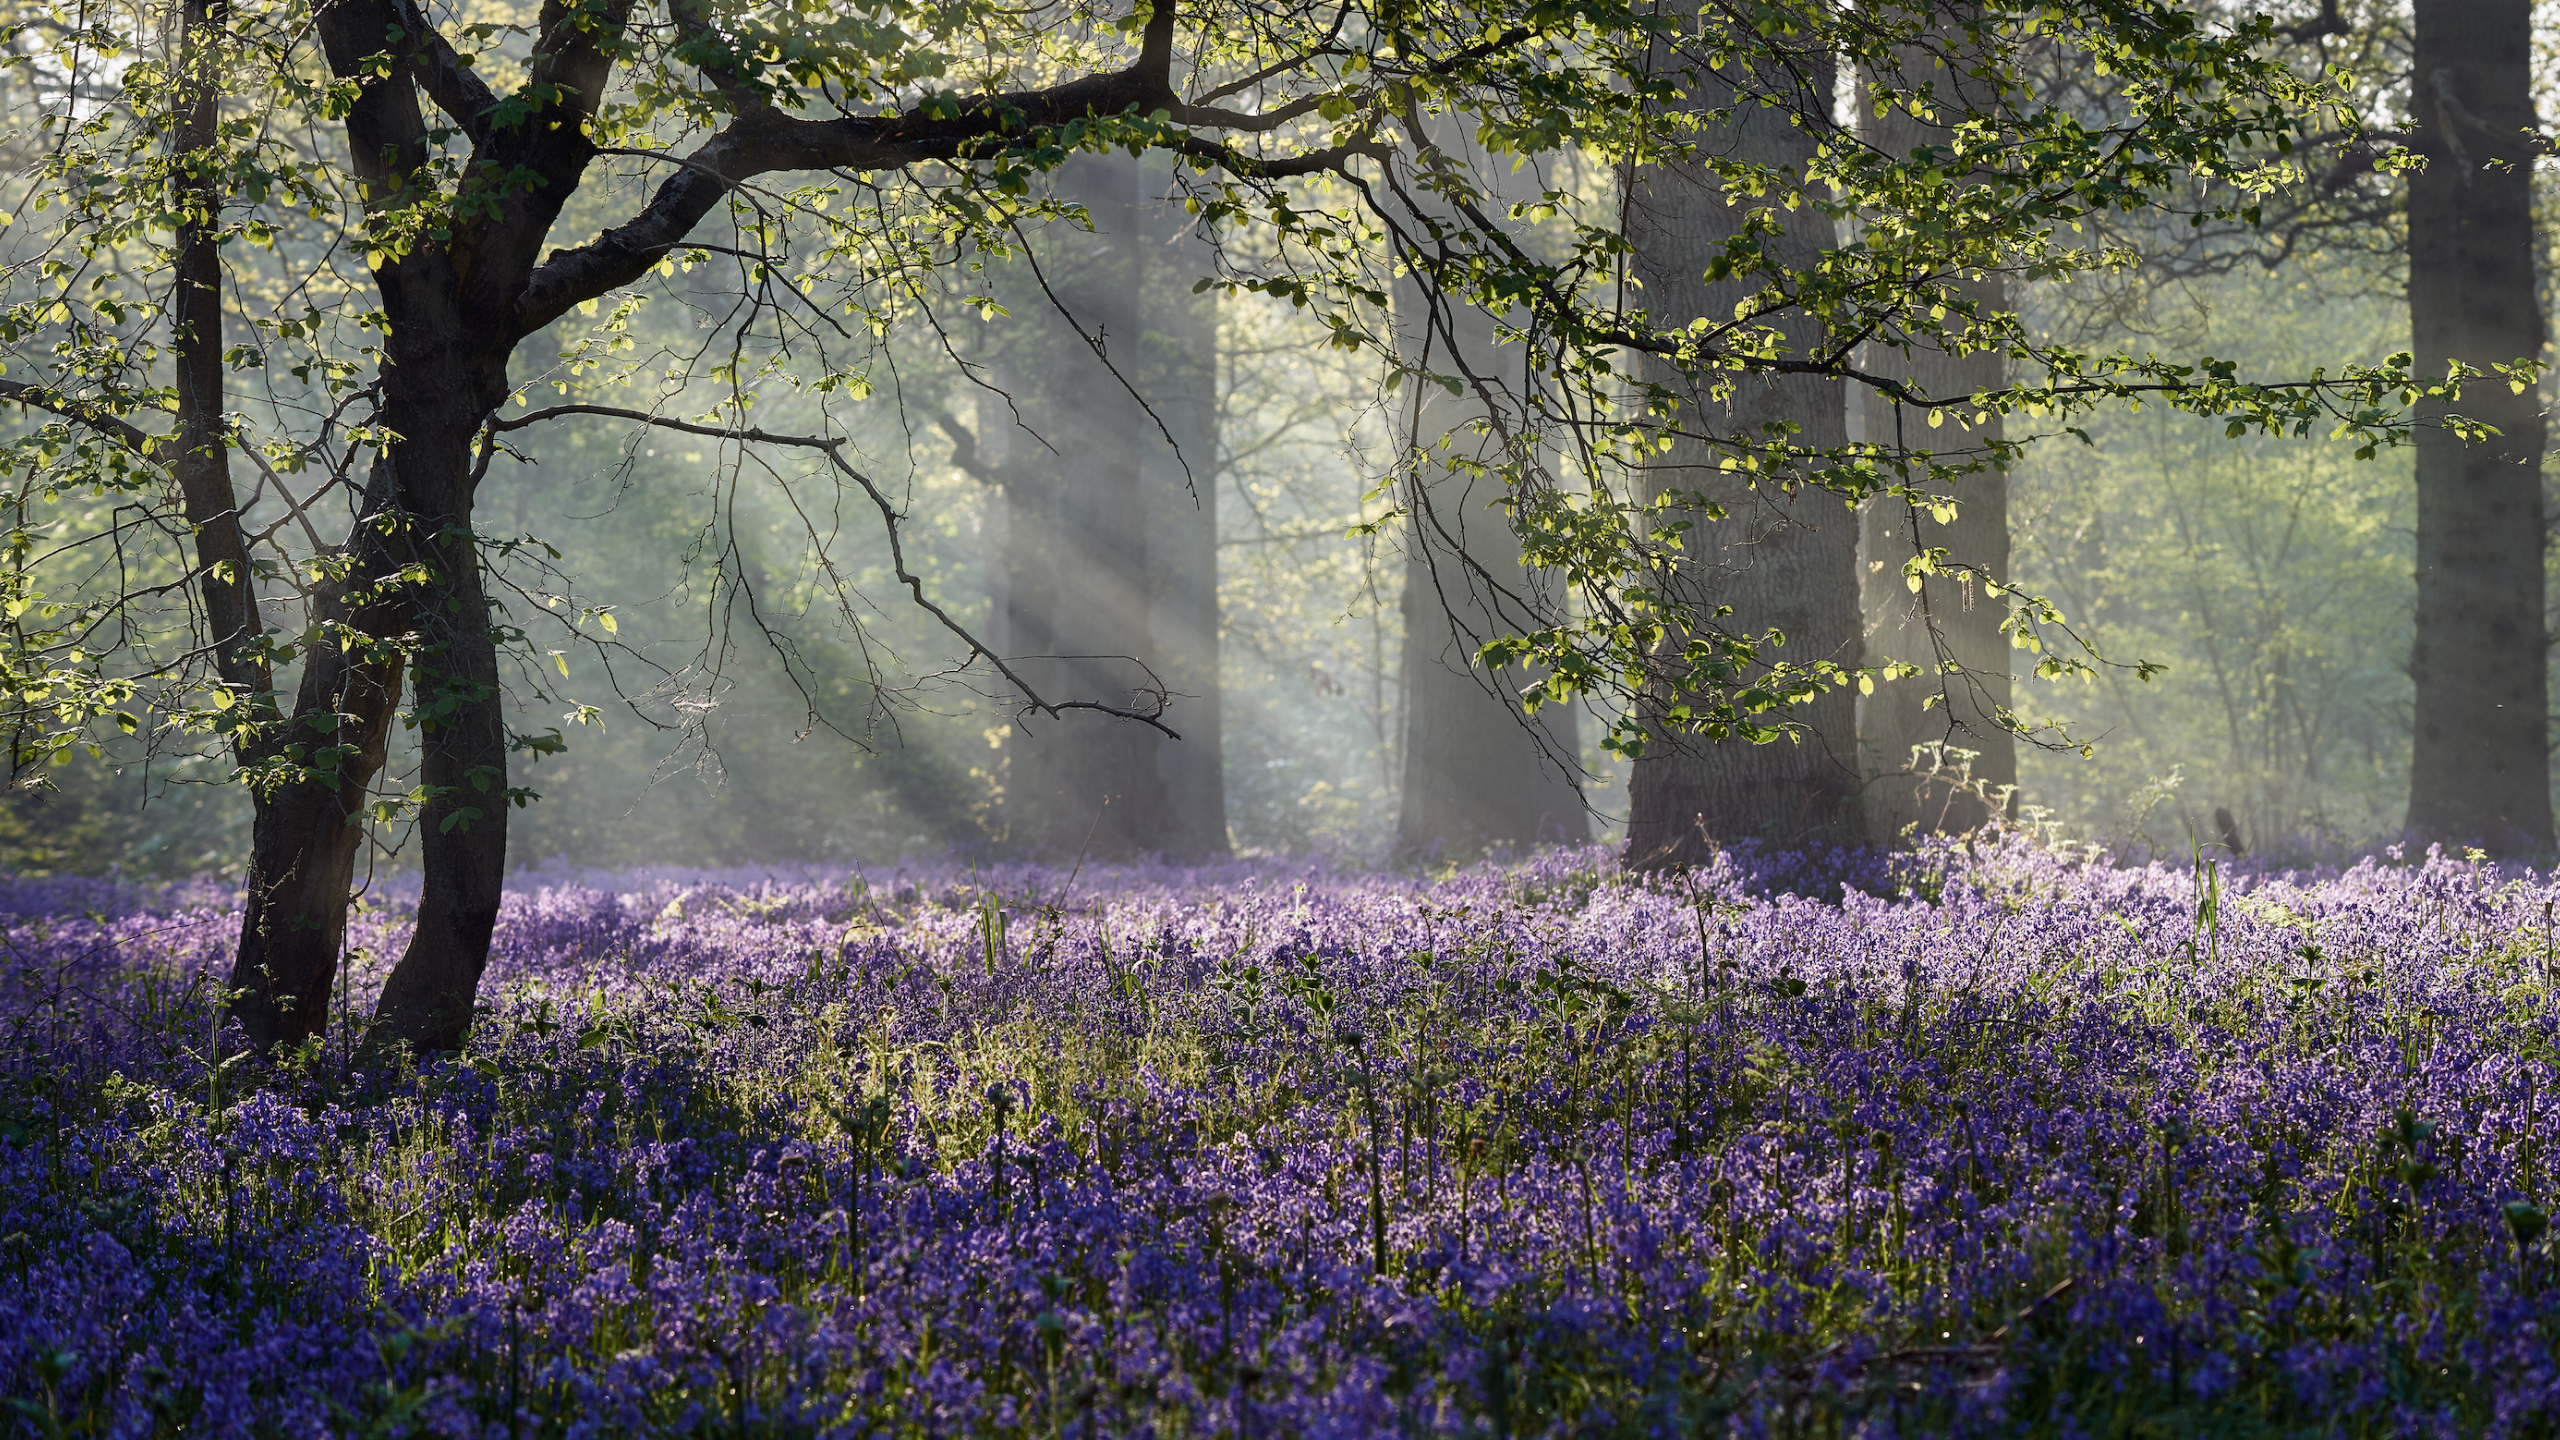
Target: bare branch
x=766 y=140
x=889 y=517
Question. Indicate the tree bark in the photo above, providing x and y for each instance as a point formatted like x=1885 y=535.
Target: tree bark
x=415 y=574
x=201 y=467
x=1478 y=771
x=2480 y=767
x=1079 y=590
x=1949 y=627
x=1780 y=561
x=307 y=831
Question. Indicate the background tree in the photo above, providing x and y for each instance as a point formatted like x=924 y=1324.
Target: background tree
x=2481 y=767
x=2262 y=696
x=1077 y=591
x=1774 y=553
x=1477 y=771
x=1097 y=423
x=1948 y=624
x=1183 y=473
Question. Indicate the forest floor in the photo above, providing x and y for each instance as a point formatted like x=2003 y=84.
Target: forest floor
x=1994 y=1140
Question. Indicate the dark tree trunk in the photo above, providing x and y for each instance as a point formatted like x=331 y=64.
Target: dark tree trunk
x=1180 y=380
x=1950 y=622
x=2480 y=767
x=441 y=379
x=1478 y=771
x=307 y=832
x=462 y=738
x=416 y=519
x=413 y=589
x=202 y=465
x=1780 y=561
x=1077 y=579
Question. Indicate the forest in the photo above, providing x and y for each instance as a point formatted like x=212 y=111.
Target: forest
x=1277 y=718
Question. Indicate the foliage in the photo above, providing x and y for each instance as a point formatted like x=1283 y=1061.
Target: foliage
x=1996 y=1143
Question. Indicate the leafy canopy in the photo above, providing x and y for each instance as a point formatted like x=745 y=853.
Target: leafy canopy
x=826 y=186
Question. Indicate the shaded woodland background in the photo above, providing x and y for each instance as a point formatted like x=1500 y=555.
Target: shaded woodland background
x=1203 y=547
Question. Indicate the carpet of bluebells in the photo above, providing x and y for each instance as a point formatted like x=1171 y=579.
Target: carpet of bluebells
x=1989 y=1139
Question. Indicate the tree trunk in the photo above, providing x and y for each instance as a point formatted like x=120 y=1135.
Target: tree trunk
x=1949 y=622
x=459 y=296
x=1780 y=561
x=1078 y=586
x=307 y=832
x=1478 y=771
x=2480 y=766
x=1180 y=382
x=202 y=466
x=440 y=382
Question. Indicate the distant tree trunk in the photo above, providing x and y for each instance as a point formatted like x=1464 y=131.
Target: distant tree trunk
x=1782 y=561
x=2481 y=765
x=1180 y=380
x=1949 y=613
x=1961 y=707
x=1078 y=589
x=1478 y=772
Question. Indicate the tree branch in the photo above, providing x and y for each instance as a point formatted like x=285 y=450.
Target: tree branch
x=889 y=518
x=2328 y=22
x=576 y=48
x=765 y=140
x=456 y=88
x=86 y=412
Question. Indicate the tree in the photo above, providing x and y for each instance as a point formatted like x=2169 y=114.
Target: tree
x=1182 y=473
x=855 y=174
x=2481 y=767
x=1078 y=580
x=2457 y=199
x=1758 y=544
x=1477 y=772
x=1918 y=619
x=1100 y=430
